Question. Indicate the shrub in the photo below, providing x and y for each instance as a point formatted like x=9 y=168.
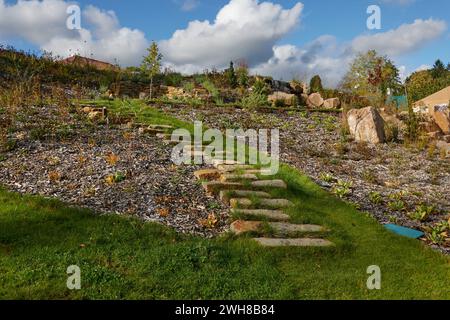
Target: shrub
x=254 y=100
x=422 y=212
x=279 y=103
x=375 y=197
x=212 y=90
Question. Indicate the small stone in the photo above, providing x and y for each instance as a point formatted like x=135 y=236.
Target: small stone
x=234 y=177
x=240 y=227
x=301 y=242
x=166 y=136
x=207 y=174
x=444 y=147
x=270 y=184
x=275 y=215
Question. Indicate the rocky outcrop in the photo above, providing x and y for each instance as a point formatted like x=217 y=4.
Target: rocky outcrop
x=289 y=99
x=366 y=125
x=441 y=117
x=315 y=100
x=332 y=103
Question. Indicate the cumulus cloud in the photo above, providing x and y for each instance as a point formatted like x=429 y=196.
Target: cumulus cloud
x=243 y=29
x=43 y=23
x=405 y=39
x=33 y=21
x=323 y=56
x=330 y=59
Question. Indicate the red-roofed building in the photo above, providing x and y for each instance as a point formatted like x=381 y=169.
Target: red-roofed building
x=83 y=61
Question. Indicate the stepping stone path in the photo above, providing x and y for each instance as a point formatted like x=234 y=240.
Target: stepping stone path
x=239 y=185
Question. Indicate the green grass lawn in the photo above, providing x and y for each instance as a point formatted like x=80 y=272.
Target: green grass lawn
x=124 y=258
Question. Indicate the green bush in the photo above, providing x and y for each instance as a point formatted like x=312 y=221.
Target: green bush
x=254 y=100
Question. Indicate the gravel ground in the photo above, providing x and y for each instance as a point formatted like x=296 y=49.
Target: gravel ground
x=311 y=143
x=77 y=170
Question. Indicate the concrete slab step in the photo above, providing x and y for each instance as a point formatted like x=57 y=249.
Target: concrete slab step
x=225 y=196
x=150 y=131
x=233 y=167
x=214 y=187
x=299 y=242
x=270 y=184
x=279 y=228
x=261 y=203
x=161 y=126
x=259 y=171
x=219 y=162
x=207 y=174
x=272 y=215
x=237 y=177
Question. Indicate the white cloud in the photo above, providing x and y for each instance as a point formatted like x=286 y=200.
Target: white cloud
x=243 y=29
x=189 y=5
x=330 y=60
x=323 y=56
x=399 y=2
x=43 y=23
x=423 y=67
x=33 y=21
x=405 y=39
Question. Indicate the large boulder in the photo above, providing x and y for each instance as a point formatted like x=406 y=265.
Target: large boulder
x=315 y=100
x=366 y=125
x=332 y=103
x=441 y=116
x=288 y=99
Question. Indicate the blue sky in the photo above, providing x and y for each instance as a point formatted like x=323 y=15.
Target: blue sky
x=293 y=42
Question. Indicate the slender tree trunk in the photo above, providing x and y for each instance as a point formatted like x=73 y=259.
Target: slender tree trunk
x=151 y=87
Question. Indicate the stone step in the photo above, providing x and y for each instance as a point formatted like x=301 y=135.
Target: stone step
x=236 y=177
x=261 y=203
x=265 y=172
x=225 y=196
x=299 y=242
x=279 y=228
x=207 y=174
x=270 y=184
x=160 y=126
x=150 y=131
x=167 y=136
x=233 y=167
x=219 y=162
x=214 y=187
x=273 y=215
